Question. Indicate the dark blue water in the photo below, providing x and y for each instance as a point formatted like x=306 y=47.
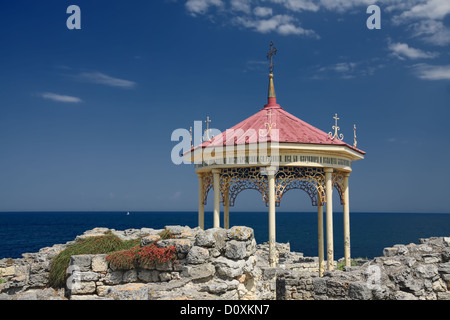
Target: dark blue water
x=22 y=232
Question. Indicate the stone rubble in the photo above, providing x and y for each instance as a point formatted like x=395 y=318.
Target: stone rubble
x=228 y=264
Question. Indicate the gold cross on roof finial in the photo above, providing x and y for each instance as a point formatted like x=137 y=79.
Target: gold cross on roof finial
x=336 y=119
x=272 y=52
x=208 y=121
x=336 y=129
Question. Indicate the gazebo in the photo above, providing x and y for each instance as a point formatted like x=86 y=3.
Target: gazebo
x=274 y=152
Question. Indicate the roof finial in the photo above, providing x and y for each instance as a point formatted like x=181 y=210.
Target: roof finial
x=272 y=98
x=272 y=52
x=207 y=130
x=336 y=129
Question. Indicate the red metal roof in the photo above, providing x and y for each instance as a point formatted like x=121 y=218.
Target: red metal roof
x=290 y=129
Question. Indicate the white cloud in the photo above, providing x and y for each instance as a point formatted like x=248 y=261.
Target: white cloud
x=60 y=98
x=201 y=6
x=347 y=70
x=282 y=24
x=101 y=78
x=241 y=5
x=262 y=11
x=345 y=5
x=432 y=72
x=431 y=9
x=431 y=31
x=423 y=18
x=402 y=50
x=344 y=67
x=298 y=5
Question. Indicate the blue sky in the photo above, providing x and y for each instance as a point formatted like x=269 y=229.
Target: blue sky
x=86 y=115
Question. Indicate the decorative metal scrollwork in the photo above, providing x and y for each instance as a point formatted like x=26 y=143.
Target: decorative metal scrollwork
x=239 y=179
x=208 y=183
x=235 y=180
x=336 y=129
x=338 y=183
x=310 y=180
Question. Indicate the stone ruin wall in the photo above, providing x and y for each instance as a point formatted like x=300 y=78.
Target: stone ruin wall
x=229 y=265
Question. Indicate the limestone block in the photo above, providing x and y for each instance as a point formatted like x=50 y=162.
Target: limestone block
x=401 y=295
x=130 y=276
x=200 y=271
x=250 y=247
x=8 y=271
x=359 y=291
x=229 y=268
x=445 y=254
x=236 y=249
x=197 y=255
x=99 y=263
x=148 y=275
x=86 y=276
x=426 y=271
x=389 y=252
x=443 y=295
x=83 y=262
x=240 y=233
x=205 y=239
x=153 y=238
x=180 y=232
x=165 y=276
x=444 y=268
x=182 y=245
x=130 y=291
x=166 y=266
x=114 y=277
x=83 y=287
x=101 y=290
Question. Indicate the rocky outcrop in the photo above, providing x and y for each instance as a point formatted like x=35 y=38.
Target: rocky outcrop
x=228 y=264
x=404 y=272
x=211 y=264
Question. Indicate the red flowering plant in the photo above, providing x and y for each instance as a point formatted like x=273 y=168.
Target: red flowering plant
x=149 y=255
x=145 y=257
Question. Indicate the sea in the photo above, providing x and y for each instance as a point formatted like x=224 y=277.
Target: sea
x=27 y=232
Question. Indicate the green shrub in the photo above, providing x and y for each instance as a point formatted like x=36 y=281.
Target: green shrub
x=166 y=234
x=104 y=244
x=353 y=262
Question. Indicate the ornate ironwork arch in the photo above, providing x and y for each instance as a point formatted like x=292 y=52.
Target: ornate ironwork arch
x=208 y=183
x=338 y=184
x=306 y=186
x=235 y=180
x=240 y=179
x=310 y=180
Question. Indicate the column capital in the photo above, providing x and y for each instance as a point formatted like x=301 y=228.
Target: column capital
x=216 y=171
x=269 y=171
x=346 y=174
x=328 y=170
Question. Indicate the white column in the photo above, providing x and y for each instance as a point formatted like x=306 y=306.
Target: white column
x=320 y=236
x=329 y=218
x=346 y=221
x=216 y=175
x=271 y=191
x=226 y=209
x=201 y=206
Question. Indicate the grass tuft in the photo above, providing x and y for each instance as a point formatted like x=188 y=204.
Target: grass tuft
x=104 y=244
